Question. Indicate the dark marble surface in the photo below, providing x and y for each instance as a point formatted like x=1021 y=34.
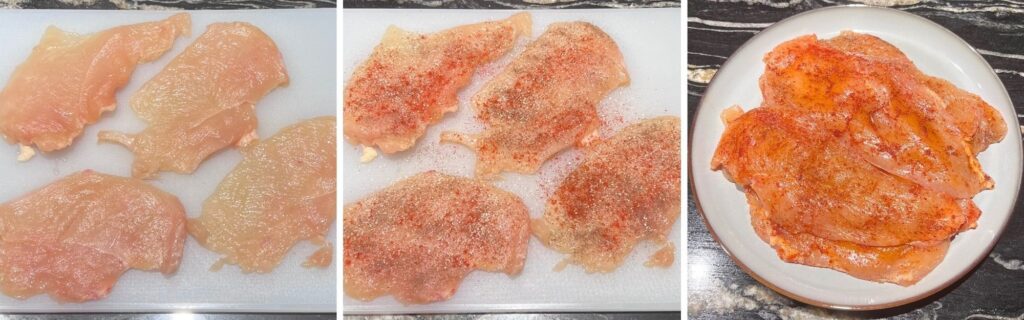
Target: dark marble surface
x=166 y=4
x=719 y=289
x=510 y=4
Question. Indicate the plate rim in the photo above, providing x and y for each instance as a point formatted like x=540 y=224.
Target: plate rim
x=811 y=301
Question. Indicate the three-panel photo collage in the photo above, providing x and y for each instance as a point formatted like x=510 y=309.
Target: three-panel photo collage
x=511 y=159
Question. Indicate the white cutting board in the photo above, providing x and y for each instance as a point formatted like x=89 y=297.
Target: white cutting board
x=649 y=40
x=306 y=39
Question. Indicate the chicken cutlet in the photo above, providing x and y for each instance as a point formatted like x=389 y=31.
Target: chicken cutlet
x=204 y=100
x=979 y=123
x=626 y=190
x=70 y=79
x=813 y=185
x=281 y=193
x=545 y=101
x=418 y=238
x=411 y=80
x=856 y=160
x=73 y=238
x=872 y=96
x=903 y=265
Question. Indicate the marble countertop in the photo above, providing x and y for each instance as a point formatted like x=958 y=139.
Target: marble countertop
x=719 y=289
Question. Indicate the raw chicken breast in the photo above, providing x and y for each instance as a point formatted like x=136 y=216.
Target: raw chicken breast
x=979 y=123
x=903 y=265
x=814 y=185
x=73 y=238
x=885 y=109
x=204 y=100
x=856 y=160
x=627 y=190
x=411 y=80
x=418 y=238
x=546 y=100
x=70 y=79
x=281 y=193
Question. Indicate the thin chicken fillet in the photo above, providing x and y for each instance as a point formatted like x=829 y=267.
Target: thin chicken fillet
x=978 y=122
x=867 y=92
x=418 y=238
x=281 y=193
x=73 y=238
x=814 y=185
x=411 y=80
x=903 y=265
x=70 y=79
x=545 y=101
x=204 y=100
x=626 y=191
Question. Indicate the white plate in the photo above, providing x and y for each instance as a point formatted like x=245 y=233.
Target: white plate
x=934 y=50
x=306 y=39
x=649 y=41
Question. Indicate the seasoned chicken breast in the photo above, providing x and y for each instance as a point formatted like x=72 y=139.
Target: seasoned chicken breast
x=418 y=238
x=411 y=80
x=625 y=191
x=545 y=101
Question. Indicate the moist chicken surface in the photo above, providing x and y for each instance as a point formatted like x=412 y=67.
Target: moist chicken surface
x=545 y=101
x=411 y=80
x=858 y=161
x=69 y=80
x=72 y=239
x=204 y=100
x=625 y=191
x=283 y=191
x=418 y=238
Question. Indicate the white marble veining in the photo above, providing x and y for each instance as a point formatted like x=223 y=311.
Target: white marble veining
x=723 y=30
x=708 y=55
x=1013 y=72
x=1001 y=55
x=11 y=4
x=770 y=3
x=728 y=24
x=1003 y=9
x=889 y=3
x=1009 y=264
x=700 y=74
x=994 y=317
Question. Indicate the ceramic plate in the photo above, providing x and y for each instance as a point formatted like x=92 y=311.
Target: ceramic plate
x=937 y=52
